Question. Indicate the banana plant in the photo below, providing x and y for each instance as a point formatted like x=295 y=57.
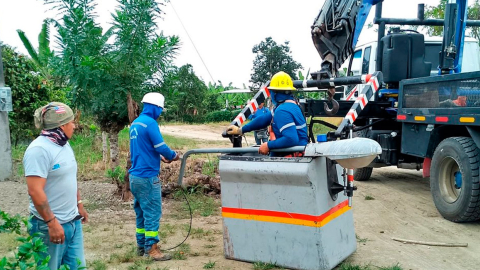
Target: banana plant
x=41 y=56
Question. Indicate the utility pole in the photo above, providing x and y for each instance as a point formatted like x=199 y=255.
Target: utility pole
x=5 y=143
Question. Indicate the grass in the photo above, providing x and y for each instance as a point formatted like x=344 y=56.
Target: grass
x=198 y=233
x=166 y=230
x=128 y=256
x=210 y=167
x=97 y=265
x=182 y=252
x=349 y=266
x=88 y=153
x=209 y=265
x=140 y=264
x=264 y=266
x=17 y=156
x=201 y=205
x=369 y=198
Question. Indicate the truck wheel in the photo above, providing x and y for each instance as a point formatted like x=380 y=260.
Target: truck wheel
x=454 y=180
x=362 y=174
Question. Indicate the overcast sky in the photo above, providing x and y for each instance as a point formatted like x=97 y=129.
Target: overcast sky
x=223 y=31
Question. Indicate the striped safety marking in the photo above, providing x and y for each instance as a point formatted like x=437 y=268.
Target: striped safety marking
x=351 y=93
x=365 y=79
x=367 y=94
x=285 y=217
x=252 y=107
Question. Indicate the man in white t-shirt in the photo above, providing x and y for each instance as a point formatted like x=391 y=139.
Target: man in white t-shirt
x=51 y=172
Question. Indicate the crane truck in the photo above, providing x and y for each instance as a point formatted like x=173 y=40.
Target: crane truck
x=425 y=113
x=418 y=98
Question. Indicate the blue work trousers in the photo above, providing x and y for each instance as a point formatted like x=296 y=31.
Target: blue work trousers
x=147 y=203
x=260 y=136
x=69 y=253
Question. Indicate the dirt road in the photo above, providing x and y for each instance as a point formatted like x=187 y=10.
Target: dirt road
x=202 y=132
x=394 y=203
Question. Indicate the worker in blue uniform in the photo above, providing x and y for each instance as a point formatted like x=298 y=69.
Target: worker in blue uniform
x=261 y=135
x=147 y=149
x=287 y=121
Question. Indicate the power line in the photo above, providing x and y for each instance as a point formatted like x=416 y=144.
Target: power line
x=211 y=77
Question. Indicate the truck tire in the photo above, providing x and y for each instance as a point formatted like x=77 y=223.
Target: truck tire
x=454 y=179
x=362 y=174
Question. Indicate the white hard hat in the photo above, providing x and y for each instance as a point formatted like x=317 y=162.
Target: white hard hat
x=154 y=98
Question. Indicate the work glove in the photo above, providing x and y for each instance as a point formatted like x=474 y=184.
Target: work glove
x=234 y=130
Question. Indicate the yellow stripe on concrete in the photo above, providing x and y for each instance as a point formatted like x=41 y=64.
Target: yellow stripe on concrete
x=291 y=221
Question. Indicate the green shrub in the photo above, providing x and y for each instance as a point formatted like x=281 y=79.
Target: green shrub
x=29 y=92
x=218 y=116
x=187 y=118
x=117 y=174
x=235 y=112
x=221 y=116
x=27 y=255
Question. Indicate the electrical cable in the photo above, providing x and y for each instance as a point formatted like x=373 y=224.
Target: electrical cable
x=367 y=126
x=191 y=218
x=188 y=35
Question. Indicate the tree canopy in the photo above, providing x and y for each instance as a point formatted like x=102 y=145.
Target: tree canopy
x=271 y=58
x=438 y=12
x=104 y=76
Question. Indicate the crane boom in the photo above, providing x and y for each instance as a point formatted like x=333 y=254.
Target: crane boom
x=335 y=31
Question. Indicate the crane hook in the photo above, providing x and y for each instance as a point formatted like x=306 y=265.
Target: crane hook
x=335 y=105
x=333 y=110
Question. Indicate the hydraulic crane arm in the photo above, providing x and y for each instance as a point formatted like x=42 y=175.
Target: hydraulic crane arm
x=336 y=29
x=335 y=33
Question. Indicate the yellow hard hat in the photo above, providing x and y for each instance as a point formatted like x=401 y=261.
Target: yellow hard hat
x=281 y=81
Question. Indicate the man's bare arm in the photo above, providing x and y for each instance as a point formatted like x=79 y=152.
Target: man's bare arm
x=36 y=191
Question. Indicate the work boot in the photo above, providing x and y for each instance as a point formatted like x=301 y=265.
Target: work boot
x=140 y=251
x=157 y=255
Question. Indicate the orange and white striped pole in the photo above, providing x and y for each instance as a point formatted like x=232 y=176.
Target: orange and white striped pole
x=350 y=186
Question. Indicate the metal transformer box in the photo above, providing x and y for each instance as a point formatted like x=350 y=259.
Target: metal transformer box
x=280 y=210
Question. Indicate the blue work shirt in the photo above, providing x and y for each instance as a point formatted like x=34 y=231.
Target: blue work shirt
x=146 y=143
x=259 y=112
x=288 y=125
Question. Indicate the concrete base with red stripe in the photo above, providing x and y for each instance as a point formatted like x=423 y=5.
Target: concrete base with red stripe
x=279 y=210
